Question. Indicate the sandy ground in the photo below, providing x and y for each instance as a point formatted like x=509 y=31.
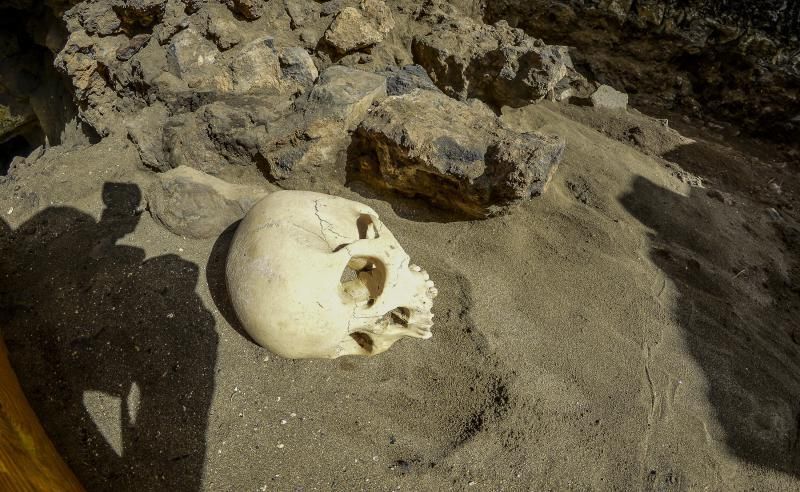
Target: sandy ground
x=628 y=330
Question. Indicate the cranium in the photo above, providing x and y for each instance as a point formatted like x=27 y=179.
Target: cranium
x=314 y=275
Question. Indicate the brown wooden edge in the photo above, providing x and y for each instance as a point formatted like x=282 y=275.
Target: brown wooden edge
x=28 y=459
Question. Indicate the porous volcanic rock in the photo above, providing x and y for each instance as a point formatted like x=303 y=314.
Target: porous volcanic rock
x=498 y=64
x=354 y=29
x=457 y=155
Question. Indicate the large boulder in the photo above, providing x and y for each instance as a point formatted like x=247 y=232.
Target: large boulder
x=498 y=64
x=193 y=204
x=457 y=155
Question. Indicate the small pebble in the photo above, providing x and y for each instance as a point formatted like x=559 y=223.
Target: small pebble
x=280 y=446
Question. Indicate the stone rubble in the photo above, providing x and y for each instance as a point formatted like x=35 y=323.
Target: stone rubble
x=299 y=89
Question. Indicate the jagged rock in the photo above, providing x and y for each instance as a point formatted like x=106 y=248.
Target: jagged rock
x=301 y=12
x=249 y=9
x=345 y=94
x=193 y=6
x=256 y=66
x=192 y=58
x=97 y=18
x=190 y=203
x=297 y=65
x=498 y=64
x=459 y=156
x=86 y=61
x=355 y=29
x=137 y=14
x=222 y=27
x=228 y=132
x=331 y=7
x=316 y=136
x=173 y=21
x=187 y=144
x=145 y=130
x=406 y=79
x=609 y=98
x=135 y=44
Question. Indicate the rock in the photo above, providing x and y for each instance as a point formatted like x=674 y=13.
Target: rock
x=355 y=29
x=301 y=12
x=249 y=9
x=297 y=65
x=135 y=44
x=345 y=94
x=190 y=203
x=222 y=28
x=459 y=156
x=379 y=14
x=723 y=197
x=609 y=98
x=230 y=132
x=187 y=144
x=331 y=7
x=351 y=31
x=87 y=61
x=192 y=58
x=256 y=66
x=498 y=64
x=138 y=14
x=406 y=79
x=98 y=18
x=173 y=21
x=145 y=130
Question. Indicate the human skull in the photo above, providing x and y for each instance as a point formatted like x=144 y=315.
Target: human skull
x=314 y=275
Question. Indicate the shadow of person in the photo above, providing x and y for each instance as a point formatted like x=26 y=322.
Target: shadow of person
x=743 y=343
x=115 y=352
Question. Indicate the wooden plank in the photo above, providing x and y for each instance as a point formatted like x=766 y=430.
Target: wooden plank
x=28 y=459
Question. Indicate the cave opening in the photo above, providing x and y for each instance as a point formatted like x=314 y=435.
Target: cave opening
x=36 y=104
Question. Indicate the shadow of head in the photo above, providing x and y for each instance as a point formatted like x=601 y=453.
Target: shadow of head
x=115 y=350
x=121 y=201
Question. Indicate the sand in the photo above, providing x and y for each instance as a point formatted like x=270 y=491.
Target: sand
x=627 y=330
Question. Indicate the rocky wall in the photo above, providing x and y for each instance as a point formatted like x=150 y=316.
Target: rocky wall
x=727 y=60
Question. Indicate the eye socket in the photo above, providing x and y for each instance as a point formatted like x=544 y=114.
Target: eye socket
x=366 y=227
x=363 y=279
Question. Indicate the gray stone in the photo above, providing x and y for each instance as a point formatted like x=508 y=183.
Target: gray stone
x=607 y=97
x=297 y=65
x=190 y=203
x=249 y=9
x=256 y=67
x=406 y=79
x=345 y=94
x=222 y=27
x=355 y=29
x=99 y=18
x=498 y=64
x=145 y=130
x=192 y=58
x=458 y=156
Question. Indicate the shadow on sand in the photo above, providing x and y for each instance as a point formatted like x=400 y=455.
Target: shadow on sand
x=748 y=349
x=115 y=352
